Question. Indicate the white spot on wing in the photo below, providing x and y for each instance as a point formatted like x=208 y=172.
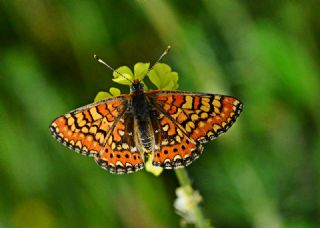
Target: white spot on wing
x=119 y=163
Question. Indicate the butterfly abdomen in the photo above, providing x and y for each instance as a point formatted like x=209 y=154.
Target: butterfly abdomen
x=142 y=124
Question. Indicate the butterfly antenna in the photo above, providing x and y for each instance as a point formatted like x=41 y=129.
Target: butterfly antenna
x=161 y=56
x=107 y=65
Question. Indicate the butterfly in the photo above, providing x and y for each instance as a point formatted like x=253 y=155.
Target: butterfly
x=170 y=127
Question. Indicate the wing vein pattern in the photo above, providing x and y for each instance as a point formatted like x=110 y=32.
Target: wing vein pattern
x=188 y=120
x=99 y=130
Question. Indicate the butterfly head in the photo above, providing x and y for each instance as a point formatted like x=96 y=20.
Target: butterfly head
x=136 y=87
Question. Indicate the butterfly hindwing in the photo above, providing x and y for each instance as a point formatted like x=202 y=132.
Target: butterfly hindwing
x=120 y=154
x=173 y=148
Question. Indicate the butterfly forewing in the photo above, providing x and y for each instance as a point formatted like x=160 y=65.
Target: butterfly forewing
x=200 y=116
x=103 y=130
x=85 y=129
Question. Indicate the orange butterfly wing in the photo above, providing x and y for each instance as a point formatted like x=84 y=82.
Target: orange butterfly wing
x=120 y=155
x=182 y=122
x=88 y=130
x=173 y=148
x=186 y=121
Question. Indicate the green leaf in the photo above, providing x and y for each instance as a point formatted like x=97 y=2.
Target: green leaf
x=155 y=170
x=171 y=82
x=102 y=95
x=140 y=70
x=146 y=89
x=115 y=91
x=163 y=77
x=155 y=78
x=125 y=71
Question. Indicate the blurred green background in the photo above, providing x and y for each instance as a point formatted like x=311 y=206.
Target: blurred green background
x=263 y=173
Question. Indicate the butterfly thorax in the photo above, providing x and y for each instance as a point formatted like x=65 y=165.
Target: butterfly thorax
x=143 y=133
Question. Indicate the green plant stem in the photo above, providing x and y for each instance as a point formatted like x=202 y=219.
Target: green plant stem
x=185 y=182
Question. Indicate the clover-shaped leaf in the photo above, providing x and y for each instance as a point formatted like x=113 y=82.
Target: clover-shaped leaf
x=140 y=70
x=163 y=77
x=125 y=71
x=103 y=95
x=114 y=91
